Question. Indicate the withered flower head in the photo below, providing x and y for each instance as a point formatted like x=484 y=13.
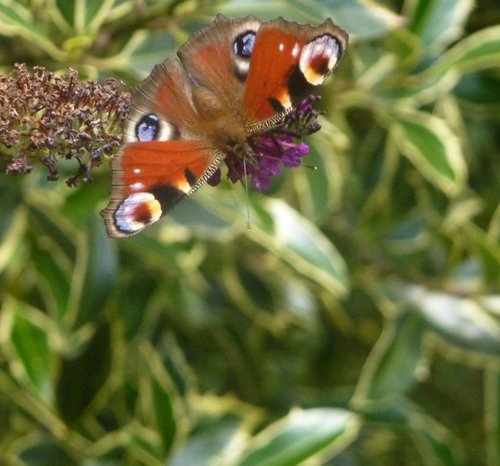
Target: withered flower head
x=44 y=117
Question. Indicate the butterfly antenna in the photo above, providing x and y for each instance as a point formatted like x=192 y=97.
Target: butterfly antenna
x=311 y=167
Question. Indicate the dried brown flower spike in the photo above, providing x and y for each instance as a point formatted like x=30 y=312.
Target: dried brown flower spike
x=44 y=117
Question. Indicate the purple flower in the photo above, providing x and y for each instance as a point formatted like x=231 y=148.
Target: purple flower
x=214 y=180
x=265 y=154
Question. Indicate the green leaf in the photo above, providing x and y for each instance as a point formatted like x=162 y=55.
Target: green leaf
x=53 y=278
x=158 y=397
x=469 y=323
x=196 y=220
x=143 y=51
x=479 y=89
x=288 y=235
x=492 y=413
x=437 y=445
x=391 y=367
x=46 y=452
x=81 y=377
x=432 y=147
x=396 y=411
x=295 y=240
x=76 y=261
x=134 y=307
x=364 y=20
x=17 y=21
x=211 y=445
x=488 y=251
x=13 y=226
x=439 y=22
x=478 y=51
x=99 y=273
x=79 y=13
x=408 y=234
x=357 y=17
x=318 y=191
x=299 y=243
x=28 y=340
x=301 y=435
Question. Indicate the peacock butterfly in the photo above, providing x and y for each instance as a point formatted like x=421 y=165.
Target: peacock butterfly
x=238 y=91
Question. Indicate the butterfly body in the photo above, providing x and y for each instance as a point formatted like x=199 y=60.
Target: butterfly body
x=231 y=82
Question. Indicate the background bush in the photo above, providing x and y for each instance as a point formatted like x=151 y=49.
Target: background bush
x=357 y=322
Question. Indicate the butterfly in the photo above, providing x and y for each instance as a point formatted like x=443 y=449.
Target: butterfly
x=234 y=93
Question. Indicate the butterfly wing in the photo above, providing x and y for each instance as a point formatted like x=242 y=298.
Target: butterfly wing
x=164 y=157
x=211 y=62
x=260 y=70
x=288 y=61
x=231 y=79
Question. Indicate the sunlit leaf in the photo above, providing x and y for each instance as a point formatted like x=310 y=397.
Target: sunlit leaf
x=210 y=445
x=279 y=228
x=300 y=435
x=430 y=144
x=12 y=233
x=299 y=243
x=355 y=16
x=465 y=322
x=439 y=22
x=480 y=50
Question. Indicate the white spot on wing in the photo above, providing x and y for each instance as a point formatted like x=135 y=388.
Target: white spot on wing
x=183 y=186
x=167 y=131
x=138 y=186
x=242 y=66
x=126 y=215
x=324 y=48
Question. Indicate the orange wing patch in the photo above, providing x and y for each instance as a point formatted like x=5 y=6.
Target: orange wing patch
x=151 y=178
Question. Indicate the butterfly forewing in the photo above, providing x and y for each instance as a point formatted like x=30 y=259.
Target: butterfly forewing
x=210 y=60
x=164 y=158
x=288 y=61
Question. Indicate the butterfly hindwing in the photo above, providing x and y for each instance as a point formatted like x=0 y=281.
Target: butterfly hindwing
x=288 y=61
x=152 y=177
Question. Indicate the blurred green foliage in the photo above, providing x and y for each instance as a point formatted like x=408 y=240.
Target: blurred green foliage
x=357 y=322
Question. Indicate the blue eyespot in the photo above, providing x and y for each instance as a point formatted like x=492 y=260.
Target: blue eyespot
x=243 y=44
x=147 y=128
